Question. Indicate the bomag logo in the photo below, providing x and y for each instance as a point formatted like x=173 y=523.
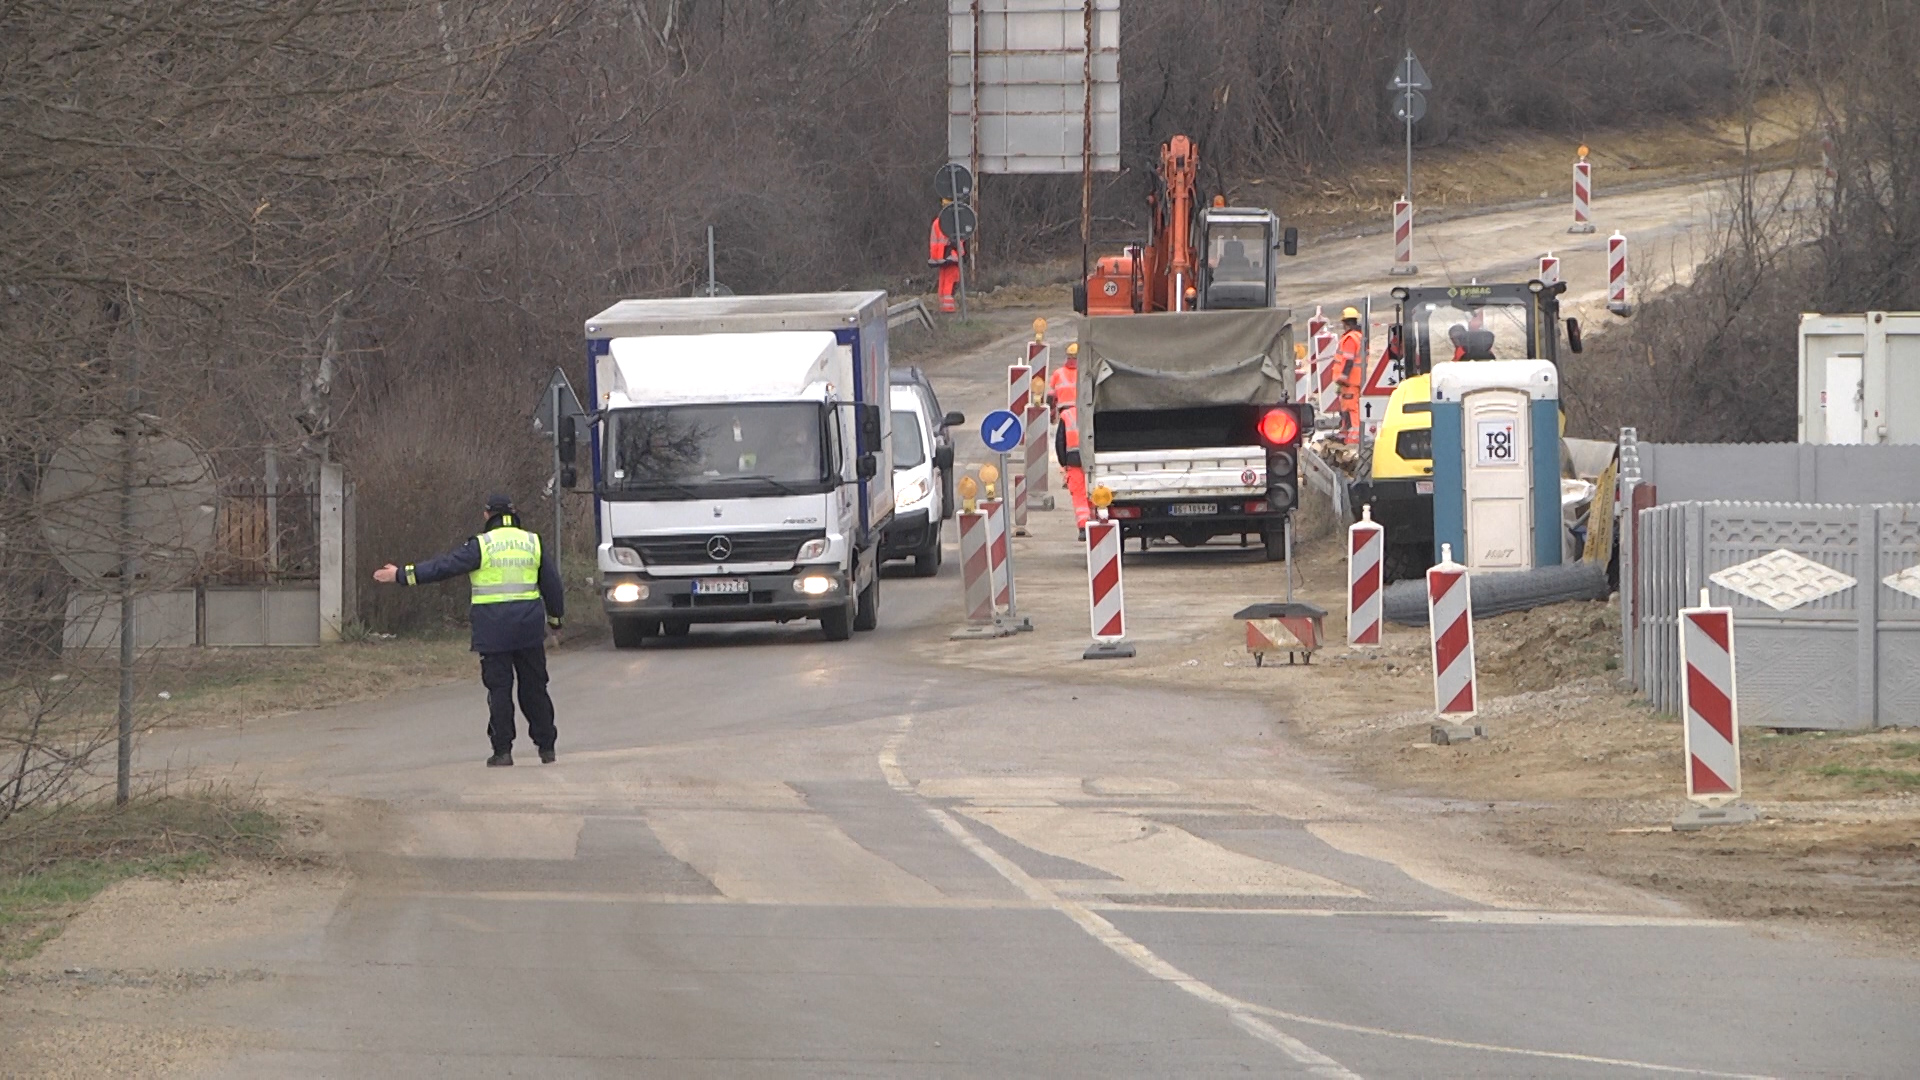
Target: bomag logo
x=1470 y=290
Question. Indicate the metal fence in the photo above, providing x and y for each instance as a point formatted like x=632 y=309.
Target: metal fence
x=1828 y=633
x=268 y=534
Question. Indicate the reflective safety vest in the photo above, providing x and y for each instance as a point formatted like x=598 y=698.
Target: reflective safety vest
x=1349 y=353
x=509 y=566
x=1064 y=383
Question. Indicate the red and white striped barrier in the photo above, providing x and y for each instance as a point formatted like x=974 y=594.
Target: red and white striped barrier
x=976 y=573
x=1450 y=623
x=1307 y=378
x=1366 y=576
x=1549 y=268
x=996 y=512
x=1040 y=434
x=1019 y=398
x=1403 y=238
x=1326 y=400
x=1710 y=704
x=1106 y=597
x=1582 y=196
x=1617 y=275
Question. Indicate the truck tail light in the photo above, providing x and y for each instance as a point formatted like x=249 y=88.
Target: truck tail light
x=1123 y=512
x=1280 y=427
x=1257 y=506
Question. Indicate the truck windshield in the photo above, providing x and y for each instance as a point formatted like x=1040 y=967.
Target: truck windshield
x=677 y=450
x=908 y=453
x=1237 y=253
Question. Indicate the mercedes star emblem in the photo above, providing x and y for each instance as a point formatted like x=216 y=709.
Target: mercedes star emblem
x=719 y=549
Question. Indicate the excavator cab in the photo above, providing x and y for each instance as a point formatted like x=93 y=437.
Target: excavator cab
x=1238 y=257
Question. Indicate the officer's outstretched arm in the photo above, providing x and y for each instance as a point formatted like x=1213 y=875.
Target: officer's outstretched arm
x=462 y=560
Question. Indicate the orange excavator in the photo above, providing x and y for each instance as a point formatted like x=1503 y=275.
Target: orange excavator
x=1194 y=259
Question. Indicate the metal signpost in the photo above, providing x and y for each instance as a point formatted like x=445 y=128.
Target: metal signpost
x=1002 y=432
x=1410 y=103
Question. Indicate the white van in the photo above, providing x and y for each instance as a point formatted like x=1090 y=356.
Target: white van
x=919 y=493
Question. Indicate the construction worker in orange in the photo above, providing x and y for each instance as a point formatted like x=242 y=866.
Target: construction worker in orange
x=945 y=254
x=1351 y=369
x=1063 y=389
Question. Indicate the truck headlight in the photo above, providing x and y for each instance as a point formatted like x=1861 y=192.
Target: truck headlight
x=815 y=585
x=813 y=548
x=915 y=491
x=627 y=592
x=624 y=556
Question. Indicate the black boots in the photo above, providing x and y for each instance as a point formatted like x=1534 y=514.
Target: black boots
x=504 y=757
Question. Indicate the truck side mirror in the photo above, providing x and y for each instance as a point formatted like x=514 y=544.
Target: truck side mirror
x=569 y=476
x=870 y=425
x=943 y=457
x=1290 y=241
x=1080 y=297
x=868 y=466
x=953 y=419
x=568 y=440
x=1573 y=334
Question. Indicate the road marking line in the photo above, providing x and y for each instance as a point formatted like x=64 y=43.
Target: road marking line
x=1240 y=1012
x=1244 y=1014
x=1494 y=1048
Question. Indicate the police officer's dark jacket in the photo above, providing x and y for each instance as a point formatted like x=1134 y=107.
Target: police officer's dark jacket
x=516 y=585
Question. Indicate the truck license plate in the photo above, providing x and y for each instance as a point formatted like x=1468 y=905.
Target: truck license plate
x=715 y=585
x=1193 y=509
x=1423 y=487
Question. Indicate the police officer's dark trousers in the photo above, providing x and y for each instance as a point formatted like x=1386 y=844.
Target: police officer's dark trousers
x=497 y=673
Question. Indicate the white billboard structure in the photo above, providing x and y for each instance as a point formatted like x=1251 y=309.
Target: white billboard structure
x=1027 y=79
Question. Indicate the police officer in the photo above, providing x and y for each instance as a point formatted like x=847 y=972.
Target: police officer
x=517 y=600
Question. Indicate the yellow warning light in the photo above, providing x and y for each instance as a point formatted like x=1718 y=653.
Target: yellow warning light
x=1583 y=151
x=1101 y=496
x=1073 y=348
x=968 y=489
x=1038 y=389
x=1039 y=329
x=1299 y=350
x=1219 y=200
x=989 y=475
x=1192 y=292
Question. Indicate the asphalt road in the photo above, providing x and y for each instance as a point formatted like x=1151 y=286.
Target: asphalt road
x=761 y=854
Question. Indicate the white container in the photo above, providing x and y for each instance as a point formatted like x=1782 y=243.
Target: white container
x=1860 y=378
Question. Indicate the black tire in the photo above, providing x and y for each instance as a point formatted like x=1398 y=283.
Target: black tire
x=837 y=624
x=1274 y=538
x=866 y=615
x=630 y=632
x=926 y=562
x=676 y=627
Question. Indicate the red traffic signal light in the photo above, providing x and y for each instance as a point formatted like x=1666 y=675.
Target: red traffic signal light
x=1280 y=427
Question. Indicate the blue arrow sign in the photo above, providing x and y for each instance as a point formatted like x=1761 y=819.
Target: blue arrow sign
x=1000 y=431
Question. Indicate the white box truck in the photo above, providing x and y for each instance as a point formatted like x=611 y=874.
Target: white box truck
x=1860 y=378
x=742 y=468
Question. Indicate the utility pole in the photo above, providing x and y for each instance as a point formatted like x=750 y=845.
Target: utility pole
x=123 y=761
x=1086 y=141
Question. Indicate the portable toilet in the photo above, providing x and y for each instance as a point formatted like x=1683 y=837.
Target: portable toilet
x=1496 y=463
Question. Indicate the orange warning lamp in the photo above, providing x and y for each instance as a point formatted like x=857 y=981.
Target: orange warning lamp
x=1219 y=200
x=1583 y=151
x=1039 y=329
x=1038 y=389
x=989 y=475
x=968 y=489
x=1101 y=496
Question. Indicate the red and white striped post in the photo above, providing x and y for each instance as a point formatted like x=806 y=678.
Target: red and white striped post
x=1549 y=268
x=1403 y=238
x=996 y=511
x=976 y=568
x=1710 y=706
x=1366 y=570
x=1327 y=399
x=1710 y=703
x=1582 y=194
x=1038 y=422
x=1617 y=275
x=1450 y=626
x=1307 y=379
x=1019 y=397
x=1106 y=597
